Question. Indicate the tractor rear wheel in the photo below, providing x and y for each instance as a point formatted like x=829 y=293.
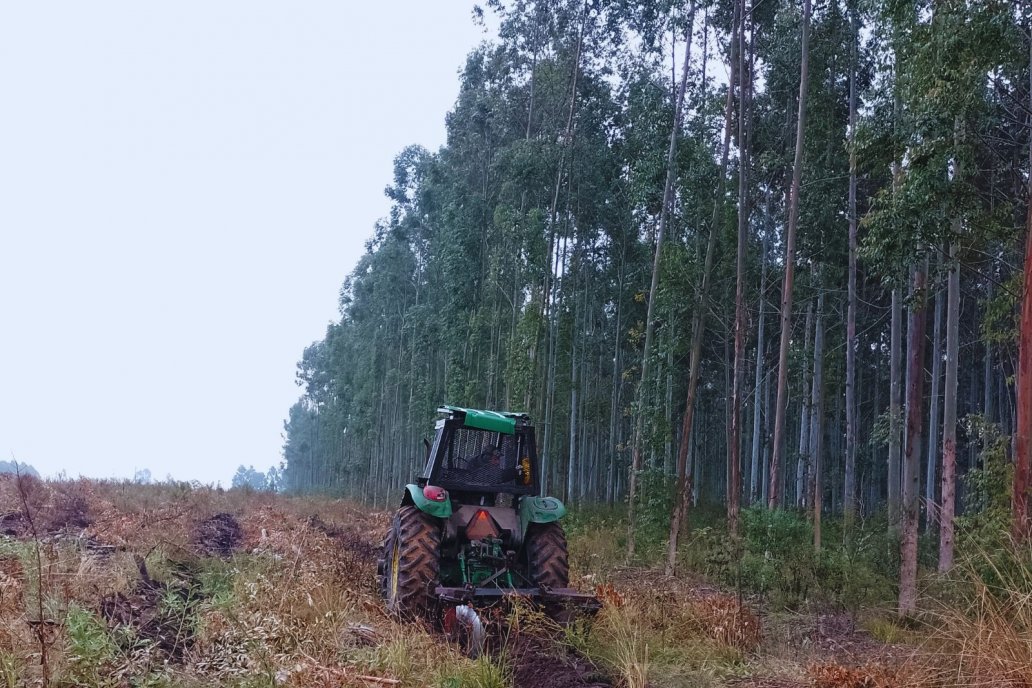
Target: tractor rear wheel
x=411 y=562
x=547 y=556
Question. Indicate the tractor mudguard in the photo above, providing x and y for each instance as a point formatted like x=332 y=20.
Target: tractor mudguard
x=414 y=496
x=540 y=510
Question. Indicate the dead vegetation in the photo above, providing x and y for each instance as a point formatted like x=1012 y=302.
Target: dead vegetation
x=183 y=585
x=180 y=585
x=116 y=585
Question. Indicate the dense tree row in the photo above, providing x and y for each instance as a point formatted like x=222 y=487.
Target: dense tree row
x=734 y=252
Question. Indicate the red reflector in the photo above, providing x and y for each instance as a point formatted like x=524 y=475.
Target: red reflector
x=481 y=526
x=434 y=493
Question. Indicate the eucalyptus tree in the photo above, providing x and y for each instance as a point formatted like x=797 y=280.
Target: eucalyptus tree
x=664 y=214
x=790 y=239
x=567 y=252
x=944 y=52
x=683 y=489
x=849 y=486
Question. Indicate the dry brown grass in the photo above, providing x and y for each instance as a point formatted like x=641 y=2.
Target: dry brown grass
x=983 y=635
x=296 y=606
x=874 y=674
x=660 y=631
x=289 y=602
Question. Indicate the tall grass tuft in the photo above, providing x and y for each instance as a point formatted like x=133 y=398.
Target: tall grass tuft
x=983 y=636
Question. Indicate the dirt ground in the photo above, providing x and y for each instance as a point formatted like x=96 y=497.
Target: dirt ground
x=145 y=584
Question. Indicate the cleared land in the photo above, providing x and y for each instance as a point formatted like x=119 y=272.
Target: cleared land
x=112 y=584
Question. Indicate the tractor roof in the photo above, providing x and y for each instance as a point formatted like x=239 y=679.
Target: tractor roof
x=493 y=421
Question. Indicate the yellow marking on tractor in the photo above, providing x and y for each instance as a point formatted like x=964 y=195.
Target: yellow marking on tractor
x=395 y=567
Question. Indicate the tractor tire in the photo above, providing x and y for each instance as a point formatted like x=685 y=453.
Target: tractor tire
x=383 y=562
x=410 y=564
x=547 y=556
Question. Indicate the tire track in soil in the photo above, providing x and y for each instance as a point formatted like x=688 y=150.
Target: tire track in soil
x=535 y=662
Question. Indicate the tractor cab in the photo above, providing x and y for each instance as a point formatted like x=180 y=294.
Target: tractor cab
x=480 y=455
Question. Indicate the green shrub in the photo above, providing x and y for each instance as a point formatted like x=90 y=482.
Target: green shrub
x=653 y=523
x=983 y=532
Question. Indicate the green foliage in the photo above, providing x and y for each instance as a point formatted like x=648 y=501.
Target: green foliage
x=92 y=652
x=775 y=558
x=982 y=537
x=250 y=479
x=482 y=672
x=1000 y=312
x=11 y=670
x=777 y=553
x=654 y=511
x=216 y=579
x=513 y=268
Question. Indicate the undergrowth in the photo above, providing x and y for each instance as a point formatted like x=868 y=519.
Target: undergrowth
x=128 y=600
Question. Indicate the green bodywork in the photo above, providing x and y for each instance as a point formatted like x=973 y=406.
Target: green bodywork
x=429 y=506
x=478 y=563
x=540 y=510
x=492 y=421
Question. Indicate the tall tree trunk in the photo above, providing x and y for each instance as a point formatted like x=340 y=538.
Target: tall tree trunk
x=912 y=464
x=572 y=460
x=686 y=485
x=553 y=250
x=931 y=460
x=790 y=239
x=650 y=325
x=614 y=404
x=755 y=477
x=988 y=399
x=1023 y=393
x=849 y=486
x=895 y=336
x=817 y=419
x=949 y=417
x=738 y=381
x=768 y=416
x=803 y=461
x=1023 y=434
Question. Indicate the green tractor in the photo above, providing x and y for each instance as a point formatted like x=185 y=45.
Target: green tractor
x=473 y=530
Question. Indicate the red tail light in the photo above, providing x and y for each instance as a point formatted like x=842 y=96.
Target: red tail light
x=434 y=493
x=481 y=526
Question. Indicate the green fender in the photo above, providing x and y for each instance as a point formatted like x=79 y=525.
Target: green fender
x=418 y=499
x=540 y=510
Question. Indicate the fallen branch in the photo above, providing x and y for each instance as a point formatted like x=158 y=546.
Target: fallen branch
x=377 y=679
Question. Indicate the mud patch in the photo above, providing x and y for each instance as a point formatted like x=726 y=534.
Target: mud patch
x=15 y=524
x=218 y=536
x=161 y=615
x=537 y=662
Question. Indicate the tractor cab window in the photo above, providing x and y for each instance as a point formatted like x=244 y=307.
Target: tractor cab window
x=477 y=458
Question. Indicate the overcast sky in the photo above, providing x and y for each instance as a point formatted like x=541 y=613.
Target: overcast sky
x=184 y=185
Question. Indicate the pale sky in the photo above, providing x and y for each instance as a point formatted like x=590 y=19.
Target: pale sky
x=184 y=185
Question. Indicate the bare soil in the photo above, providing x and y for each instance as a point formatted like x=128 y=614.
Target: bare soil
x=217 y=536
x=537 y=662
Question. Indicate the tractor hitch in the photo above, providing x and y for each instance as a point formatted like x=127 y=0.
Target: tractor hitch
x=585 y=602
